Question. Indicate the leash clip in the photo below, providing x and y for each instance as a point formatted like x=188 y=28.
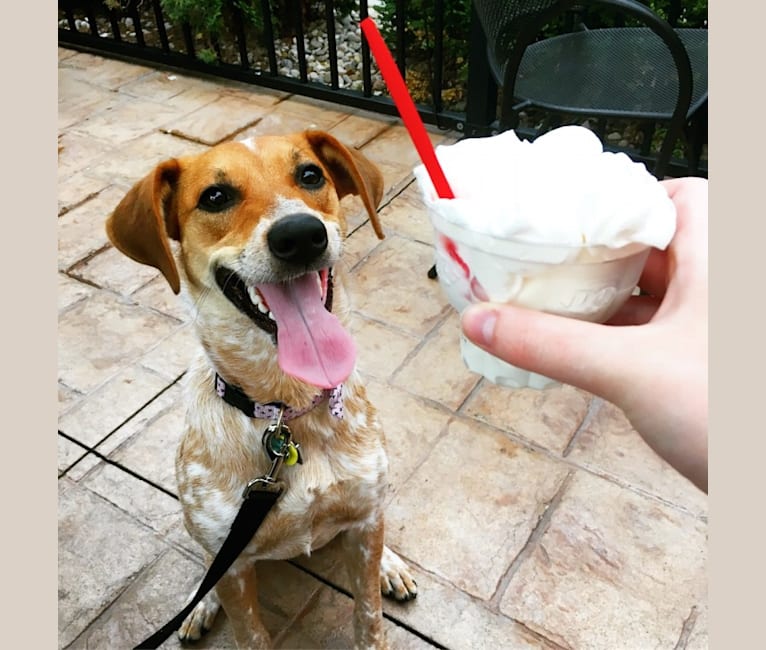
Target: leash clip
x=263 y=484
x=281 y=450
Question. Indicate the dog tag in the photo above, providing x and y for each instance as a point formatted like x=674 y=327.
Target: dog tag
x=293 y=455
x=276 y=440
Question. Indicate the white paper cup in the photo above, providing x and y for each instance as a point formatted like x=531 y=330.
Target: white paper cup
x=588 y=283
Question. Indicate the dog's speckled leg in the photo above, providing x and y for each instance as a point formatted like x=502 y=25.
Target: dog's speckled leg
x=363 y=547
x=239 y=599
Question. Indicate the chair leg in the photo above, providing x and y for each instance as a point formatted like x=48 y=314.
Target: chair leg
x=696 y=135
x=648 y=132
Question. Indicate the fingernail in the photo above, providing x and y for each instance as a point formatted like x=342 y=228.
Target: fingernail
x=478 y=324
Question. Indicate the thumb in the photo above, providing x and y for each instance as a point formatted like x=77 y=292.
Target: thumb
x=583 y=354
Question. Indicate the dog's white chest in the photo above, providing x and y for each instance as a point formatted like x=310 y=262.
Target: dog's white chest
x=322 y=497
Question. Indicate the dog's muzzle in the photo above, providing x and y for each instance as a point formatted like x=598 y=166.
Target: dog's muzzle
x=312 y=344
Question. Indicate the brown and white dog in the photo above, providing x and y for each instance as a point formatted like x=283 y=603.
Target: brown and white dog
x=260 y=236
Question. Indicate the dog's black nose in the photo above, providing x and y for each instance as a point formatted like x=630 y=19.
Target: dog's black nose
x=299 y=238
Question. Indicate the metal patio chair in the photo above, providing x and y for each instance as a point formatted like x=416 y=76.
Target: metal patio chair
x=651 y=73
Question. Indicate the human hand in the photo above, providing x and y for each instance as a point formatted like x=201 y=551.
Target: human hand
x=650 y=359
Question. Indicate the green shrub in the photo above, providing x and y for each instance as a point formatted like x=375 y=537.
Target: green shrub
x=420 y=38
x=419 y=25
x=209 y=15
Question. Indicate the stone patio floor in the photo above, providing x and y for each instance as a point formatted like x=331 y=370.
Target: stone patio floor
x=531 y=519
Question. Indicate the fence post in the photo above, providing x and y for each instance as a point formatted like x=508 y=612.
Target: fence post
x=481 y=91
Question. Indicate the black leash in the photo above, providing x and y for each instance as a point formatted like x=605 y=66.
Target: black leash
x=259 y=497
x=255 y=506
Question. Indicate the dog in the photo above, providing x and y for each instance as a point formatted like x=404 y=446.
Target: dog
x=259 y=234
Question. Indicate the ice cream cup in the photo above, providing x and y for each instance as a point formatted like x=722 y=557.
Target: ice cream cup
x=587 y=282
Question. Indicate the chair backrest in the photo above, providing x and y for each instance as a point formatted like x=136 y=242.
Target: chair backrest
x=512 y=25
x=505 y=23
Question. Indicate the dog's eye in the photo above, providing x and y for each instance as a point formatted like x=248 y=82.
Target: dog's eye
x=310 y=176
x=216 y=198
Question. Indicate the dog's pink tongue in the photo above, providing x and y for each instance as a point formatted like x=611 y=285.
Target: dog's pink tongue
x=312 y=345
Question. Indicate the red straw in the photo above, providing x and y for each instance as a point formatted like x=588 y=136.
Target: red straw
x=406 y=108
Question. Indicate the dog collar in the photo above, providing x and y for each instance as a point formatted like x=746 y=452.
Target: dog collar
x=270 y=411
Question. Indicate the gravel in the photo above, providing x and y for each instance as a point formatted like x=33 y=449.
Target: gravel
x=348 y=48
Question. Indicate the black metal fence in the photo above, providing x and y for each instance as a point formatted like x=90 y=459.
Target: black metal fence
x=314 y=49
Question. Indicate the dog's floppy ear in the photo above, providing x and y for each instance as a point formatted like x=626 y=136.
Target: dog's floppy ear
x=142 y=222
x=352 y=173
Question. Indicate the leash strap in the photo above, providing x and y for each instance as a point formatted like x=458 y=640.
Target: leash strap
x=255 y=507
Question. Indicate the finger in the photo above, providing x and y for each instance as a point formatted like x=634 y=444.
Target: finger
x=654 y=277
x=636 y=311
x=574 y=352
x=690 y=196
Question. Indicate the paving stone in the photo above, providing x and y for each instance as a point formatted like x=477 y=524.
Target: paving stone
x=67 y=398
x=456 y=620
x=316 y=111
x=406 y=215
x=151 y=600
x=548 y=417
x=394 y=145
x=160 y=592
x=327 y=624
x=698 y=639
x=358 y=246
x=322 y=561
x=612 y=570
x=128 y=120
x=169 y=399
x=71 y=291
x=470 y=508
x=78 y=99
x=64 y=54
x=175 y=88
x=68 y=453
x=221 y=118
x=77 y=152
x=448 y=616
x=609 y=445
x=283 y=592
x=295 y=114
x=100 y=336
x=411 y=426
x=81 y=231
x=111 y=269
x=171 y=357
x=396 y=176
x=103 y=72
x=142 y=501
x=361 y=127
x=276 y=122
x=400 y=638
x=158 y=295
x=106 y=408
x=151 y=452
x=101 y=550
x=133 y=161
x=391 y=286
x=356 y=216
x=76 y=189
x=380 y=349
x=452 y=384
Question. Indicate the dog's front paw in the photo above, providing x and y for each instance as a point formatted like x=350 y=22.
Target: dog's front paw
x=395 y=578
x=201 y=618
